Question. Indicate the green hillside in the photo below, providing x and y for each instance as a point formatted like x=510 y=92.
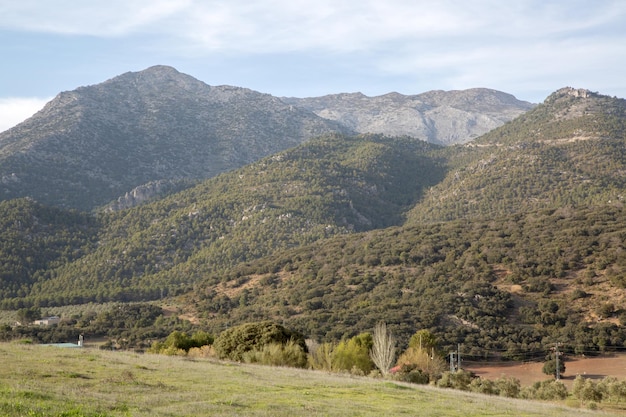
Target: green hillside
x=568 y=151
x=35 y=240
x=506 y=245
x=332 y=185
x=502 y=287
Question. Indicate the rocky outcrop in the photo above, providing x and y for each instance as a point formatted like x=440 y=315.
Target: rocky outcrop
x=442 y=117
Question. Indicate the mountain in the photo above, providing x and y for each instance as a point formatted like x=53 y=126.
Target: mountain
x=89 y=146
x=567 y=151
x=504 y=245
x=442 y=117
x=146 y=134
x=330 y=185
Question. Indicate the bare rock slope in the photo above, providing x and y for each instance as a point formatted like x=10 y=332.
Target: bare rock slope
x=442 y=117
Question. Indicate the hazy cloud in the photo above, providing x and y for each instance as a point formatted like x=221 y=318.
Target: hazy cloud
x=16 y=110
x=335 y=25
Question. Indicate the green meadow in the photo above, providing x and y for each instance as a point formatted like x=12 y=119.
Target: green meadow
x=48 y=381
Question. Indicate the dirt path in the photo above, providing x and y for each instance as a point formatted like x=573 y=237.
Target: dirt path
x=527 y=373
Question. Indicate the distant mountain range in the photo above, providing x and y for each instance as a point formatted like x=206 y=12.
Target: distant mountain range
x=441 y=117
x=152 y=132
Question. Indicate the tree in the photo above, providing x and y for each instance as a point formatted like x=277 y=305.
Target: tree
x=383 y=351
x=28 y=315
x=353 y=354
x=423 y=340
x=549 y=368
x=233 y=343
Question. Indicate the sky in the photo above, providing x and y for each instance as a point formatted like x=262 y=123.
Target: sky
x=309 y=48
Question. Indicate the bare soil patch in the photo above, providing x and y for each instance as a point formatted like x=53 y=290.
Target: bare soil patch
x=530 y=372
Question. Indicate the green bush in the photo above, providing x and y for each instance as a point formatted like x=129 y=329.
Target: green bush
x=586 y=390
x=483 y=386
x=233 y=343
x=545 y=390
x=276 y=354
x=411 y=373
x=353 y=355
x=320 y=355
x=508 y=387
x=179 y=343
x=457 y=380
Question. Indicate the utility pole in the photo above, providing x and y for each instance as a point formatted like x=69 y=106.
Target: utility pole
x=452 y=362
x=455 y=359
x=556 y=355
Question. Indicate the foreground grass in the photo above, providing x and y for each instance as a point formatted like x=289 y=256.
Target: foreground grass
x=55 y=382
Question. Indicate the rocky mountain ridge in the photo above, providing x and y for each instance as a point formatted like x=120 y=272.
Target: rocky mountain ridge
x=96 y=144
x=441 y=117
x=93 y=144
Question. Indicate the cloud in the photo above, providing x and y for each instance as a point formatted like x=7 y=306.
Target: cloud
x=447 y=43
x=77 y=17
x=15 y=110
x=269 y=26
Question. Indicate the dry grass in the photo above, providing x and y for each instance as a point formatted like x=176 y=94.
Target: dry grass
x=54 y=382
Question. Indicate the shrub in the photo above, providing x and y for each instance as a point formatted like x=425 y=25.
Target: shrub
x=233 y=343
x=410 y=373
x=205 y=351
x=320 y=355
x=277 y=354
x=354 y=355
x=179 y=343
x=433 y=366
x=483 y=386
x=586 y=390
x=456 y=380
x=508 y=387
x=612 y=389
x=545 y=390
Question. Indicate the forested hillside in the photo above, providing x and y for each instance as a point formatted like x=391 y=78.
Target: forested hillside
x=506 y=244
x=332 y=185
x=505 y=286
x=568 y=151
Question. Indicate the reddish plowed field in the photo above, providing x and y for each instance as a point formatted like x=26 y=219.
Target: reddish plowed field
x=527 y=373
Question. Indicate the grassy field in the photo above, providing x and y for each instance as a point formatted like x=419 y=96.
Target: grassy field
x=54 y=382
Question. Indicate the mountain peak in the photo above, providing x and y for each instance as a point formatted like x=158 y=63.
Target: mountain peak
x=566 y=92
x=91 y=145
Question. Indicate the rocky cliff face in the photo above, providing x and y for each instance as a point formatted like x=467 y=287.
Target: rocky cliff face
x=442 y=117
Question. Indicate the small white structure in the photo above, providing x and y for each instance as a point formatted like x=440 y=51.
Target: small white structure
x=47 y=321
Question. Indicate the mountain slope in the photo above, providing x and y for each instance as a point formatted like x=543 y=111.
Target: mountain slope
x=93 y=144
x=502 y=287
x=146 y=134
x=568 y=151
x=509 y=244
x=442 y=117
x=330 y=185
x=36 y=239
